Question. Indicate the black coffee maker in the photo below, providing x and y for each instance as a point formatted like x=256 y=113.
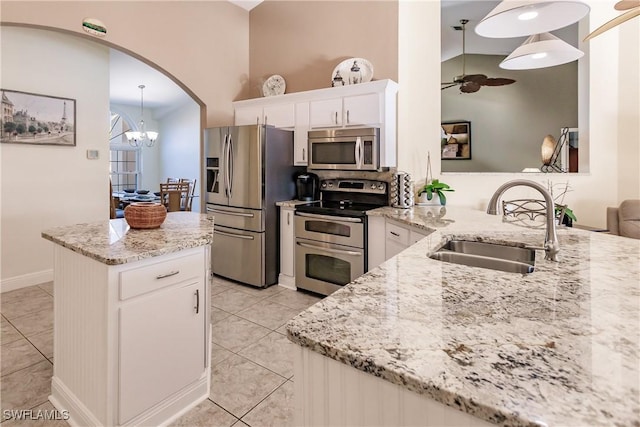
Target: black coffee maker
x=308 y=186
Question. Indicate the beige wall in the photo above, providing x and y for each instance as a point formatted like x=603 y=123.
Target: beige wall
x=303 y=41
x=202 y=44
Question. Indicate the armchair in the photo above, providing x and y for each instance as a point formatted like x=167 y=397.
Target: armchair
x=625 y=219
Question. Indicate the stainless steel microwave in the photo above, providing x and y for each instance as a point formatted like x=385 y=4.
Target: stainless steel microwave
x=345 y=149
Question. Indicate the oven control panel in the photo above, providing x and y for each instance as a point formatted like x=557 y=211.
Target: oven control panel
x=354 y=186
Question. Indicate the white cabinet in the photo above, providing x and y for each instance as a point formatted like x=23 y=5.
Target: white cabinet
x=387 y=238
x=325 y=113
x=279 y=115
x=366 y=104
x=287 y=247
x=300 y=142
x=131 y=340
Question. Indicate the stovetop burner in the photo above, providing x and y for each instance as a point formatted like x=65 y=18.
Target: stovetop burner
x=341 y=197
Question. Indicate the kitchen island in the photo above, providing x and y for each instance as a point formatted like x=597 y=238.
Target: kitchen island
x=131 y=311
x=418 y=341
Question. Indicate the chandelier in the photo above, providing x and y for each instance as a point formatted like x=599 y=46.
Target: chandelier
x=141 y=136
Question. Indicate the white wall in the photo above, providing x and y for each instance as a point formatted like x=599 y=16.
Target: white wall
x=47 y=186
x=151 y=176
x=180 y=147
x=613 y=117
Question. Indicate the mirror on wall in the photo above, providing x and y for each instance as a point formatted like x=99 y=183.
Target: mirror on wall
x=507 y=123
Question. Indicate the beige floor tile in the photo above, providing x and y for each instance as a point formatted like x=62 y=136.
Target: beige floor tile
x=282 y=330
x=47 y=287
x=8 y=333
x=218 y=285
x=274 y=352
x=295 y=299
x=238 y=384
x=206 y=414
x=235 y=333
x=258 y=292
x=218 y=354
x=27 y=387
x=269 y=314
x=43 y=342
x=34 y=323
x=240 y=424
x=276 y=410
x=18 y=355
x=54 y=418
x=24 y=301
x=217 y=315
x=233 y=300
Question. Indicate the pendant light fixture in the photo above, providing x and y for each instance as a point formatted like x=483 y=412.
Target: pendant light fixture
x=142 y=136
x=540 y=51
x=516 y=18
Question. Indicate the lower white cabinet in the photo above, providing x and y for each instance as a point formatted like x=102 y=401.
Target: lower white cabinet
x=287 y=247
x=131 y=340
x=387 y=238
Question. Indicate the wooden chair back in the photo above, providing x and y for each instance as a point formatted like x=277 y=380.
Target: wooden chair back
x=192 y=190
x=174 y=195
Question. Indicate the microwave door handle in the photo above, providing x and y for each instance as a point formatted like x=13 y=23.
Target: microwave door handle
x=359 y=152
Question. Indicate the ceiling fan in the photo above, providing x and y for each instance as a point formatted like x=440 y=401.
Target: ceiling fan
x=632 y=8
x=470 y=83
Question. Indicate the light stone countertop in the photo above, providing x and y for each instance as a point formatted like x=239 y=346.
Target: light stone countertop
x=558 y=347
x=292 y=203
x=113 y=242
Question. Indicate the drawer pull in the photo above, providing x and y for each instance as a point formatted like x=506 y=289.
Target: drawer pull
x=173 y=273
x=394 y=233
x=197 y=307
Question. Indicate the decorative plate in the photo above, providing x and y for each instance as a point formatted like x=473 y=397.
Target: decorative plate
x=365 y=73
x=274 y=85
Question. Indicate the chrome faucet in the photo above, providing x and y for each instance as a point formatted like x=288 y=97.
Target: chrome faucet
x=551 y=245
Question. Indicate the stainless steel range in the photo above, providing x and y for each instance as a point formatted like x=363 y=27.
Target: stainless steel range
x=331 y=234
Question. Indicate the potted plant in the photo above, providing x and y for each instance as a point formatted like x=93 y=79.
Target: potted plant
x=435 y=187
x=564 y=214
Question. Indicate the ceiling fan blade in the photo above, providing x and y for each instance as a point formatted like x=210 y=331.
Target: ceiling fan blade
x=447 y=87
x=469 y=87
x=614 y=22
x=626 y=4
x=477 y=78
x=498 y=81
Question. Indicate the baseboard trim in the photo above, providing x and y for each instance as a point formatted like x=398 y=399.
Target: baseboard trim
x=25 y=280
x=287 y=282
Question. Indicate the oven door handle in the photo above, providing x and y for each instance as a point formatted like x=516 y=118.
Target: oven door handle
x=333 y=251
x=329 y=217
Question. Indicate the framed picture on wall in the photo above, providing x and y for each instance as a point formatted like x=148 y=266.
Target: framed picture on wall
x=455 y=140
x=30 y=118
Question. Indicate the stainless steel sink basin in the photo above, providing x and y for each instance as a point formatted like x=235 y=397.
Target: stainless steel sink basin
x=511 y=259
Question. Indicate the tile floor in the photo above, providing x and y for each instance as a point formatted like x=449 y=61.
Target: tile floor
x=251 y=364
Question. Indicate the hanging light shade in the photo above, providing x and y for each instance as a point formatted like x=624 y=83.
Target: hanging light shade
x=540 y=51
x=516 y=18
x=142 y=136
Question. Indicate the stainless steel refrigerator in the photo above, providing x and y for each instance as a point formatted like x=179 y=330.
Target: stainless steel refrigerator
x=248 y=169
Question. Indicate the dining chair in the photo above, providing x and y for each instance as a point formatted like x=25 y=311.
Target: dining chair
x=192 y=190
x=174 y=195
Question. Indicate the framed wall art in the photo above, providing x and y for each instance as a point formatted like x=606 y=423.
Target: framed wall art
x=30 y=118
x=455 y=140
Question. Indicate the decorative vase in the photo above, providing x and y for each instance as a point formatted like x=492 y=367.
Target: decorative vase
x=423 y=201
x=145 y=215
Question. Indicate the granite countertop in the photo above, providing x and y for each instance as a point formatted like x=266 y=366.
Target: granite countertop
x=114 y=242
x=558 y=347
x=292 y=203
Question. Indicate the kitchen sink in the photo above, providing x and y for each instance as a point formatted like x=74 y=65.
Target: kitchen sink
x=494 y=256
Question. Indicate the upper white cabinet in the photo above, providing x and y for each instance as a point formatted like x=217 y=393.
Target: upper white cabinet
x=365 y=104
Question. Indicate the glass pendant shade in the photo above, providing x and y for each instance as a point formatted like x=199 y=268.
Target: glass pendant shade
x=540 y=51
x=516 y=18
x=138 y=138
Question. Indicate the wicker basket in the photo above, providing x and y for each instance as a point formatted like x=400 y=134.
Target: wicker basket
x=145 y=215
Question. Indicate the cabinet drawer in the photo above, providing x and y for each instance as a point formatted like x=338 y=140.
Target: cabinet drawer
x=397 y=234
x=145 y=279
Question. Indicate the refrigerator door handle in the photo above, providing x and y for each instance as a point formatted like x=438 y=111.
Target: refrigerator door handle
x=233 y=235
x=224 y=164
x=220 y=211
x=230 y=165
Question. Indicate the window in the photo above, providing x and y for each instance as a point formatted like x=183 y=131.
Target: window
x=124 y=160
